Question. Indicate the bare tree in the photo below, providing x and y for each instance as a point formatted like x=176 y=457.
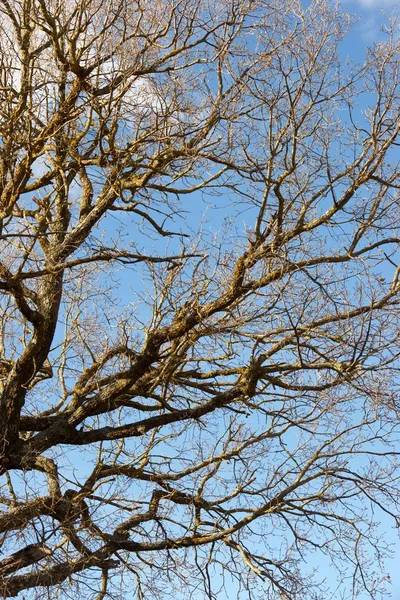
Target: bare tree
x=199 y=290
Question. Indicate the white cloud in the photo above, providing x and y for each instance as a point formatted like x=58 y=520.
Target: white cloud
x=377 y=3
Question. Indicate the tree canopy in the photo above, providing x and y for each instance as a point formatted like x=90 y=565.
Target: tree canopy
x=199 y=292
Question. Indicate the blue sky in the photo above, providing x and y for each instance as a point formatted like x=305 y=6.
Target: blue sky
x=371 y=16
x=367 y=30
x=374 y=4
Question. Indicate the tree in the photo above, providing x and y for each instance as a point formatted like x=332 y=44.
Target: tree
x=192 y=399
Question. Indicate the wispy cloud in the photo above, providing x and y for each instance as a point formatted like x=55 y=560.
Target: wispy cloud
x=377 y=3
